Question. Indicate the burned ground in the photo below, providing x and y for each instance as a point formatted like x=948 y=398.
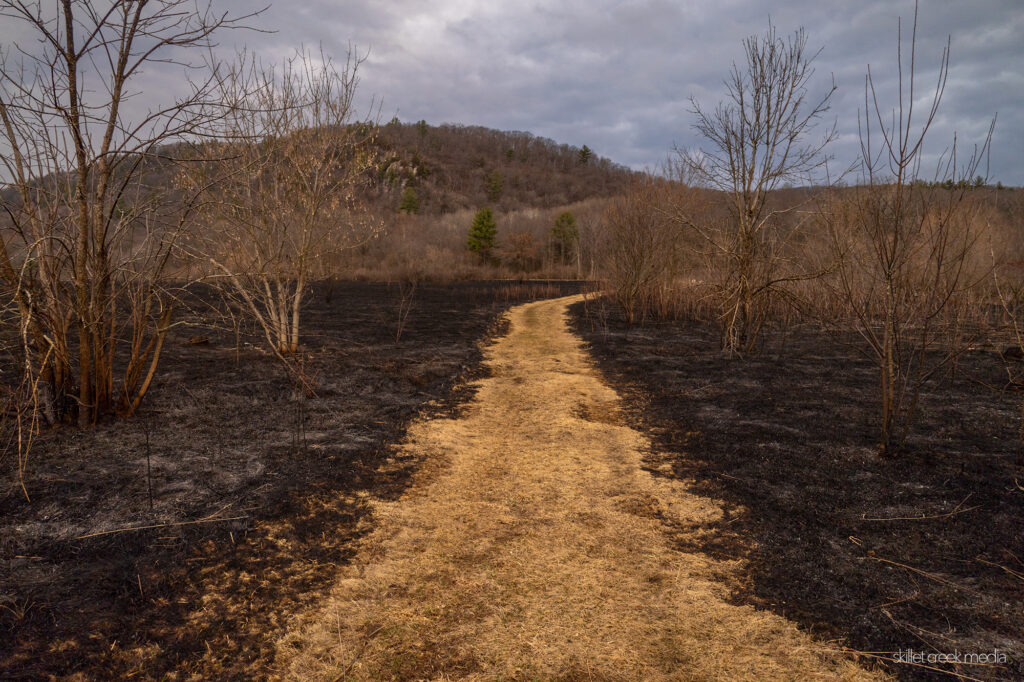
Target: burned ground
x=831 y=531
x=257 y=492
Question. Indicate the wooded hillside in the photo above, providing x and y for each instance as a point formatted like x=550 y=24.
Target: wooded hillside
x=452 y=167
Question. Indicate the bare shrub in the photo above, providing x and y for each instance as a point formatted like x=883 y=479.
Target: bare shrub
x=640 y=247
x=407 y=284
x=435 y=246
x=89 y=245
x=283 y=194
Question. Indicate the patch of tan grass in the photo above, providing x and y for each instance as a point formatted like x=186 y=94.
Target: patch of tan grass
x=535 y=547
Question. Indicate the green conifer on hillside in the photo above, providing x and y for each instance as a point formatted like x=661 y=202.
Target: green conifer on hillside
x=565 y=234
x=482 y=233
x=495 y=184
x=410 y=201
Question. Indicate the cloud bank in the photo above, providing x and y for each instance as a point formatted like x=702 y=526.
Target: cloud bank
x=618 y=76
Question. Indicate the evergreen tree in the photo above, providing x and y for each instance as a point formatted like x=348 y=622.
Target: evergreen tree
x=565 y=234
x=585 y=154
x=495 y=184
x=419 y=166
x=410 y=201
x=482 y=233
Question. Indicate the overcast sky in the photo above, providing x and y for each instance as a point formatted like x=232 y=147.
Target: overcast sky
x=618 y=75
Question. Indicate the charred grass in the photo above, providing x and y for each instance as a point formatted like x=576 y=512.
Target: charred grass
x=255 y=493
x=924 y=551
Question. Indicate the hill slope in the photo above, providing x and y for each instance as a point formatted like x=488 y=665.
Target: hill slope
x=453 y=167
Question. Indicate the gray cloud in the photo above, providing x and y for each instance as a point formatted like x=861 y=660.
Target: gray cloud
x=617 y=75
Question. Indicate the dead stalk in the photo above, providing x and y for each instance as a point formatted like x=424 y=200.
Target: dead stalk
x=366 y=642
x=956 y=510
x=158 y=525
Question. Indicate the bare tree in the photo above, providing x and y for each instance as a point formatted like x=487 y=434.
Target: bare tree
x=284 y=196
x=88 y=242
x=520 y=251
x=906 y=245
x=757 y=141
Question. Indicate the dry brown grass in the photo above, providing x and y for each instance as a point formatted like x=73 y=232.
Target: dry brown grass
x=534 y=547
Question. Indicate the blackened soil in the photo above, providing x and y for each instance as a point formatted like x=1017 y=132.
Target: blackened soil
x=257 y=491
x=831 y=531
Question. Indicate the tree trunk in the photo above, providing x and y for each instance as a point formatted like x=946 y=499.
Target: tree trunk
x=889 y=375
x=293 y=345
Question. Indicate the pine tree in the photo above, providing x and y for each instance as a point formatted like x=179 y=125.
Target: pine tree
x=495 y=184
x=565 y=234
x=482 y=233
x=585 y=154
x=410 y=201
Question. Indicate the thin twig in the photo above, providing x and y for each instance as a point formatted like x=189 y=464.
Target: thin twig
x=1012 y=572
x=926 y=574
x=158 y=525
x=956 y=510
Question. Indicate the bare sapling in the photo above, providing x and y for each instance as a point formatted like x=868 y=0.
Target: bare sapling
x=906 y=247
x=284 y=196
x=757 y=140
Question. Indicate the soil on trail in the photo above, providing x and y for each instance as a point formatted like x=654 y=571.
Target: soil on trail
x=534 y=544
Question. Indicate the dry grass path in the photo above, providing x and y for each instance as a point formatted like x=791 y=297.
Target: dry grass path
x=533 y=547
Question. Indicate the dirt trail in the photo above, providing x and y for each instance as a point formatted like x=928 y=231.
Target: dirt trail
x=534 y=547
